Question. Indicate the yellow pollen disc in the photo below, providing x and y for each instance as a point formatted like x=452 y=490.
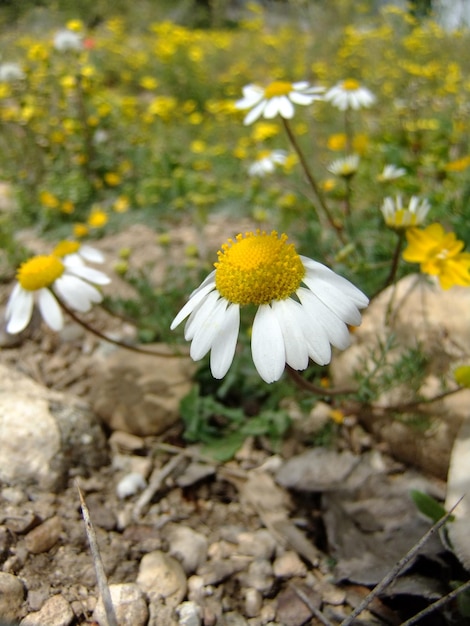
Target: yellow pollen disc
x=39 y=272
x=350 y=84
x=258 y=268
x=66 y=247
x=278 y=88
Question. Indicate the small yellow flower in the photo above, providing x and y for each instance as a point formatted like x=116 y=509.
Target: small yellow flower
x=112 y=179
x=148 y=82
x=462 y=375
x=439 y=253
x=121 y=205
x=67 y=207
x=97 y=218
x=80 y=230
x=459 y=165
x=49 y=200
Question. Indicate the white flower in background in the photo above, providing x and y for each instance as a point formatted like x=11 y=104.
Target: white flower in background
x=390 y=172
x=266 y=162
x=10 y=72
x=278 y=98
x=303 y=307
x=66 y=40
x=345 y=167
x=72 y=249
x=43 y=277
x=399 y=217
x=349 y=94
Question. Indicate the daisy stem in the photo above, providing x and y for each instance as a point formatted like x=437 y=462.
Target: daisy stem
x=321 y=391
x=316 y=189
x=115 y=342
x=394 y=267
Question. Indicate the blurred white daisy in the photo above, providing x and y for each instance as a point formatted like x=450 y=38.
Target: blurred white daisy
x=390 y=172
x=43 y=276
x=400 y=217
x=72 y=249
x=278 y=98
x=345 y=167
x=266 y=162
x=66 y=40
x=350 y=94
x=10 y=72
x=303 y=307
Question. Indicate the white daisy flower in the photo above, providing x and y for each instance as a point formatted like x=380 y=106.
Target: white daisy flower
x=390 y=172
x=398 y=217
x=303 y=307
x=40 y=279
x=10 y=72
x=345 y=167
x=278 y=98
x=70 y=249
x=266 y=162
x=349 y=94
x=66 y=40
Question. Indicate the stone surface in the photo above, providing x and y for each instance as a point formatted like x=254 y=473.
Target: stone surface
x=56 y=611
x=186 y=545
x=11 y=596
x=162 y=576
x=139 y=393
x=129 y=605
x=44 y=435
x=417 y=313
x=45 y=536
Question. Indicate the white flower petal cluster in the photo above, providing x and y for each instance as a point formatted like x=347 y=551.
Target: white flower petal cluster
x=398 y=216
x=345 y=167
x=10 y=72
x=66 y=40
x=391 y=172
x=76 y=286
x=276 y=99
x=350 y=95
x=266 y=163
x=291 y=330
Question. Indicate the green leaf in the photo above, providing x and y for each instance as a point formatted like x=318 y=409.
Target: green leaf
x=428 y=506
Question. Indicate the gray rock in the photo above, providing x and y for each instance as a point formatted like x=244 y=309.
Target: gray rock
x=129 y=605
x=55 y=612
x=140 y=394
x=162 y=576
x=11 y=596
x=45 y=436
x=189 y=614
x=186 y=545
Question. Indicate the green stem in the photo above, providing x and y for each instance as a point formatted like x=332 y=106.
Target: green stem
x=313 y=184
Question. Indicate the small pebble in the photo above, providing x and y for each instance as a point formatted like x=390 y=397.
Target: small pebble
x=56 y=611
x=45 y=536
x=130 y=485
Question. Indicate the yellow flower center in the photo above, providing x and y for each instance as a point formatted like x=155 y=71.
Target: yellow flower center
x=40 y=271
x=350 y=84
x=258 y=268
x=278 y=88
x=66 y=247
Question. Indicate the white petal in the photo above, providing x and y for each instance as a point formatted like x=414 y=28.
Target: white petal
x=19 y=309
x=336 y=330
x=273 y=106
x=76 y=293
x=267 y=345
x=318 y=270
x=195 y=299
x=286 y=108
x=88 y=273
x=199 y=315
x=255 y=113
x=252 y=94
x=207 y=330
x=91 y=254
x=302 y=98
x=315 y=336
x=50 y=309
x=287 y=315
x=225 y=342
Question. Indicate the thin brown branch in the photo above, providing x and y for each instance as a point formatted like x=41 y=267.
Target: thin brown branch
x=116 y=342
